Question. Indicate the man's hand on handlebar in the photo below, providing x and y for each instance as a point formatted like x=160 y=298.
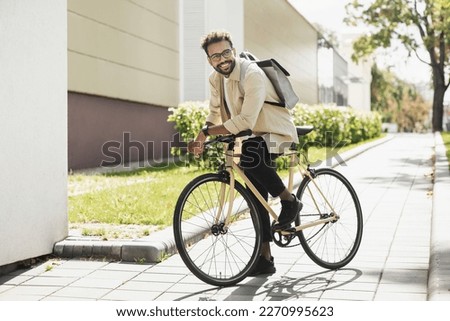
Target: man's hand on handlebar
x=196 y=146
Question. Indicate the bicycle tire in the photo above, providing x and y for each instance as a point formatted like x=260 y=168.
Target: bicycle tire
x=334 y=244
x=220 y=258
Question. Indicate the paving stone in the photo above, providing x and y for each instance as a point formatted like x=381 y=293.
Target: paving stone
x=50 y=281
x=127 y=295
x=146 y=286
x=81 y=292
x=97 y=283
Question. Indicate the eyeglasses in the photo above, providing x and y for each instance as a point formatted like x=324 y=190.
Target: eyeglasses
x=227 y=53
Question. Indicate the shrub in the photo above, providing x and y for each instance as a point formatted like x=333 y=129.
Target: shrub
x=337 y=126
x=334 y=126
x=189 y=118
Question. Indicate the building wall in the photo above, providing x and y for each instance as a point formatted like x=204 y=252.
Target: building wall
x=124 y=49
x=106 y=132
x=325 y=66
x=359 y=86
x=123 y=58
x=198 y=18
x=333 y=79
x=33 y=113
x=274 y=29
x=339 y=76
x=359 y=75
x=267 y=28
x=131 y=59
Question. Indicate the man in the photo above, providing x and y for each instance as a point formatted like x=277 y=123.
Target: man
x=232 y=111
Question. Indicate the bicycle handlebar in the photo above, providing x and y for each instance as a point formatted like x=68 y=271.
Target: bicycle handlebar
x=228 y=138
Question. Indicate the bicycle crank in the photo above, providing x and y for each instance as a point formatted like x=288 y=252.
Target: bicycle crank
x=283 y=238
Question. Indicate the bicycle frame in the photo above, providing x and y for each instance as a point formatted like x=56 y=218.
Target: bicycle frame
x=219 y=234
x=231 y=167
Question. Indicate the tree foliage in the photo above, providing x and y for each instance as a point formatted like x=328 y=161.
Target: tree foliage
x=328 y=38
x=416 y=24
x=398 y=101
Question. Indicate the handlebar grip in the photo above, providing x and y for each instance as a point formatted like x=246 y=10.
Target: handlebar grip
x=246 y=132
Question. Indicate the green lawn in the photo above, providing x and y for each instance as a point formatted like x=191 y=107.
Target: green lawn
x=145 y=197
x=446 y=138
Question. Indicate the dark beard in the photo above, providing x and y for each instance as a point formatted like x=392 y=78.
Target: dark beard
x=233 y=64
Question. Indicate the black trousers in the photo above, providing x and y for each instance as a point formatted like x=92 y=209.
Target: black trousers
x=259 y=166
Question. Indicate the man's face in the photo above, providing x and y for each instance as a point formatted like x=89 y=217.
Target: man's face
x=221 y=57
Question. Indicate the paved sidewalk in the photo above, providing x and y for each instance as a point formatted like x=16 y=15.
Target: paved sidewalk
x=394 y=183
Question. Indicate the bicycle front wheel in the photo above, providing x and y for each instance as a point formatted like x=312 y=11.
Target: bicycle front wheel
x=218 y=238
x=331 y=245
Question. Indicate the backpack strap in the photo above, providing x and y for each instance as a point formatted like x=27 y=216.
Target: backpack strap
x=244 y=66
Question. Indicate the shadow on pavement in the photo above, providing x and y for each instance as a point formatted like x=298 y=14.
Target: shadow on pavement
x=284 y=288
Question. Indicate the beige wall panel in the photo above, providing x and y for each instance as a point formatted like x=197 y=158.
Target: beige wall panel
x=127 y=16
x=273 y=29
x=130 y=50
x=98 y=77
x=94 y=39
x=165 y=8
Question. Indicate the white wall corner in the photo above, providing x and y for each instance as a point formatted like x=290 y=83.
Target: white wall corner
x=33 y=113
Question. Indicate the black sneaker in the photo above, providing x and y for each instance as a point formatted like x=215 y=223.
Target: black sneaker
x=289 y=211
x=263 y=266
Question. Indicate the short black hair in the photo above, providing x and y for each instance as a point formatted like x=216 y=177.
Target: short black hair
x=215 y=36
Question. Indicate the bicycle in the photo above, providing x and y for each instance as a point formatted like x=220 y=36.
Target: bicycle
x=217 y=229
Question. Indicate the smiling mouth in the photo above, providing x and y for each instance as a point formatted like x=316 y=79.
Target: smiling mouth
x=225 y=65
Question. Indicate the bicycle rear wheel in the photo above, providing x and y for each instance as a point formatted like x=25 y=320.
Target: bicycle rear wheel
x=217 y=252
x=334 y=244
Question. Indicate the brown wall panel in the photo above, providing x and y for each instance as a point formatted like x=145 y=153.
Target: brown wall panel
x=103 y=131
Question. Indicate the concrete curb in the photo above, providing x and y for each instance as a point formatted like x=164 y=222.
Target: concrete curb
x=156 y=246
x=150 y=249
x=439 y=275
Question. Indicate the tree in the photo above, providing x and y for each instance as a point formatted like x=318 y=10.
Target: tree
x=398 y=101
x=416 y=24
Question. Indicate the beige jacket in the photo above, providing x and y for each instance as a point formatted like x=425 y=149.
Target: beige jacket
x=248 y=110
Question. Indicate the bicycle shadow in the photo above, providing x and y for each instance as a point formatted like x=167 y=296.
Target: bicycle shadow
x=289 y=288
x=284 y=288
